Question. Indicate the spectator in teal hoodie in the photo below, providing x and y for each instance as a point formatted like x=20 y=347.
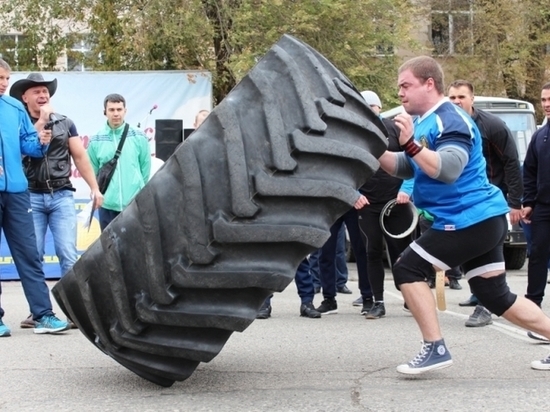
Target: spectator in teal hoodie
x=134 y=164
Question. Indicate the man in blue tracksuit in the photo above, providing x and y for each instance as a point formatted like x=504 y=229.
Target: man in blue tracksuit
x=19 y=137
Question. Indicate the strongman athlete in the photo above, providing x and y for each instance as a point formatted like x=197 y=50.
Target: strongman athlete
x=442 y=151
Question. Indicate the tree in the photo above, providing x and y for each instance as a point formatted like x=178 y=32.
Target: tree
x=506 y=49
x=359 y=37
x=225 y=37
x=42 y=27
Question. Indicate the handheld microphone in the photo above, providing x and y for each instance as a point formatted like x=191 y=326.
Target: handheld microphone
x=154 y=108
x=53 y=120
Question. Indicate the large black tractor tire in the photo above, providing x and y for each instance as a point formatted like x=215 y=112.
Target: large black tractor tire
x=228 y=218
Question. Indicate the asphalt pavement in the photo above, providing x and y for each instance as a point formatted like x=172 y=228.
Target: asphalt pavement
x=341 y=362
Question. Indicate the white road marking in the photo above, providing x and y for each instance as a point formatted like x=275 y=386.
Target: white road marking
x=515 y=332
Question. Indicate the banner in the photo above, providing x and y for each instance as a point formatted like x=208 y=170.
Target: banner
x=149 y=96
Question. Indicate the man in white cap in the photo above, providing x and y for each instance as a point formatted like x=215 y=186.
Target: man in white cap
x=379 y=190
x=372 y=100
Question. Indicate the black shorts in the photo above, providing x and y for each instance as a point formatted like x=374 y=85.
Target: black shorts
x=478 y=248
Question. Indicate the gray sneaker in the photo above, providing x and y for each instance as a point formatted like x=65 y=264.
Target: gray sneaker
x=28 y=323
x=432 y=356
x=541 y=365
x=480 y=317
x=377 y=311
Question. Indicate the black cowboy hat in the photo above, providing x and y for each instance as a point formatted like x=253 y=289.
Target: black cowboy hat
x=34 y=79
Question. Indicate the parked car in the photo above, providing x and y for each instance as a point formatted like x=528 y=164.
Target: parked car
x=520 y=118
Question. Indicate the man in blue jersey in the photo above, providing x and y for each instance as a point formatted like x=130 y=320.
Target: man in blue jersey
x=443 y=152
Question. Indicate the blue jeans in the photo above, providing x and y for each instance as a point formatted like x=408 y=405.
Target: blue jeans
x=17 y=223
x=106 y=216
x=57 y=211
x=304 y=284
x=341 y=262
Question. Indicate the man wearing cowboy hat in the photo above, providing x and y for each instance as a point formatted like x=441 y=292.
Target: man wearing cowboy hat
x=49 y=177
x=19 y=137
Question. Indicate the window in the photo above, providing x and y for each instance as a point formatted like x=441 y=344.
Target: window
x=77 y=56
x=17 y=50
x=451 y=29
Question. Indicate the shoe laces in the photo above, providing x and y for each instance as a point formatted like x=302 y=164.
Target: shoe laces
x=424 y=351
x=49 y=319
x=478 y=311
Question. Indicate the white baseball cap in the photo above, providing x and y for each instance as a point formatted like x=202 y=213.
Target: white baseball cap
x=371 y=98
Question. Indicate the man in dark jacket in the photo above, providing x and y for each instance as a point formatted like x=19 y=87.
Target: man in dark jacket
x=503 y=168
x=49 y=176
x=536 y=204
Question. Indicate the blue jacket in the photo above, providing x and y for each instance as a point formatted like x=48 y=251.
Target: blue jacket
x=18 y=137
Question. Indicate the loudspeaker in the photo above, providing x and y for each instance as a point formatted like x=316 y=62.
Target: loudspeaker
x=168 y=135
x=187 y=133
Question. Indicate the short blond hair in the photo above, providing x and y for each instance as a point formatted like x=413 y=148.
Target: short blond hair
x=423 y=68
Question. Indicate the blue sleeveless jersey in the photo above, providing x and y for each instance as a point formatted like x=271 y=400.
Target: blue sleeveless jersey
x=471 y=198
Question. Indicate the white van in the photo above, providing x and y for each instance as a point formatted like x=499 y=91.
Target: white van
x=520 y=118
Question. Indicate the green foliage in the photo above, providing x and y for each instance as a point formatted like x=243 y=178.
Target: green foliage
x=226 y=37
x=360 y=38
x=509 y=57
x=505 y=53
x=42 y=28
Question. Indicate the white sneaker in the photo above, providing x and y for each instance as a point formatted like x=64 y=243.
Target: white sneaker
x=537 y=337
x=541 y=365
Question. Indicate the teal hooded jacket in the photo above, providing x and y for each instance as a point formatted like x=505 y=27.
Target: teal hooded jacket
x=133 y=167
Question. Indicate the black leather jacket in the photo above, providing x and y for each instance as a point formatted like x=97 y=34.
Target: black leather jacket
x=52 y=172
